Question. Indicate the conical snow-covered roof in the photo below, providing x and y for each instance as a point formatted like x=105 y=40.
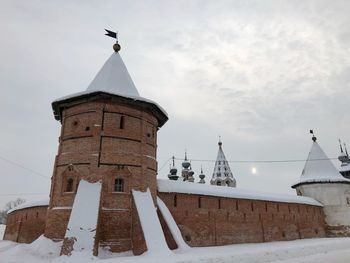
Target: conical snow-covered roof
x=222 y=174
x=319 y=168
x=114 y=78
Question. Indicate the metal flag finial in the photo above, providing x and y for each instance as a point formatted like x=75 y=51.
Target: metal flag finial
x=116 y=46
x=313 y=135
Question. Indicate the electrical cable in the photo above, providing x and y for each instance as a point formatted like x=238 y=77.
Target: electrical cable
x=23 y=167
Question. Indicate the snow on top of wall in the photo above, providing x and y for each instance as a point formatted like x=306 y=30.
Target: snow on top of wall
x=44 y=202
x=318 y=168
x=168 y=186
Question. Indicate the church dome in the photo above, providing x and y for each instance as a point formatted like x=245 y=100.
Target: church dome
x=186 y=164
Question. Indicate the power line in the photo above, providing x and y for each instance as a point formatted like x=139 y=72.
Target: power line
x=250 y=161
x=165 y=163
x=23 y=167
x=24 y=194
x=262 y=161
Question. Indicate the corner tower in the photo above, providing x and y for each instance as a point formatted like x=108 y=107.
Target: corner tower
x=108 y=134
x=321 y=181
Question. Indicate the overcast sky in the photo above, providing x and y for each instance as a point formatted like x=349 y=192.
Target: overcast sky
x=258 y=73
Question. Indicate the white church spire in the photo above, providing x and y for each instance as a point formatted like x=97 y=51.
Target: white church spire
x=222 y=174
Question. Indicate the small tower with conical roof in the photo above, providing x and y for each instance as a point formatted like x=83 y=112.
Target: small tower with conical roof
x=321 y=181
x=345 y=161
x=222 y=175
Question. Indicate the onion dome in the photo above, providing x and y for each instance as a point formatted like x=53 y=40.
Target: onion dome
x=186 y=164
x=202 y=176
x=173 y=171
x=190 y=175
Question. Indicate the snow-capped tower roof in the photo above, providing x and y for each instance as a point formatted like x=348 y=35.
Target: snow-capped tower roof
x=319 y=168
x=222 y=174
x=114 y=77
x=114 y=80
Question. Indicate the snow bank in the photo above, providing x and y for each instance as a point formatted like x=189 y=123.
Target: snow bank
x=83 y=219
x=41 y=250
x=2 y=231
x=174 y=229
x=44 y=202
x=169 y=186
x=44 y=245
x=318 y=250
x=152 y=230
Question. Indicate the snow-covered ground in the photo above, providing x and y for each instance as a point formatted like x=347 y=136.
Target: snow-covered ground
x=322 y=250
x=2 y=231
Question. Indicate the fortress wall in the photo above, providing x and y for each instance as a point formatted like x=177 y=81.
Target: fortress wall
x=213 y=221
x=25 y=225
x=203 y=221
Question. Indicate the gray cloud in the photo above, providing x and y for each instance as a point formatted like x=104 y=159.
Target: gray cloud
x=260 y=73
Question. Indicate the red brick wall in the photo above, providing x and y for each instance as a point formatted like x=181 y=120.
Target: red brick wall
x=212 y=221
x=203 y=221
x=93 y=146
x=25 y=225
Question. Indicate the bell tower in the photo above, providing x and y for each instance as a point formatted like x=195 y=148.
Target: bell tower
x=108 y=135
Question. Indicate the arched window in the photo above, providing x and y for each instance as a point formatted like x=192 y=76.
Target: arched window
x=118 y=185
x=69 y=187
x=218 y=183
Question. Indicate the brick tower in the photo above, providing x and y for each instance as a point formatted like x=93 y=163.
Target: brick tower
x=108 y=134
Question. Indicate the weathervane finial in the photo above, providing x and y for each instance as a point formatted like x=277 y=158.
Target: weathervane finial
x=116 y=46
x=313 y=135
